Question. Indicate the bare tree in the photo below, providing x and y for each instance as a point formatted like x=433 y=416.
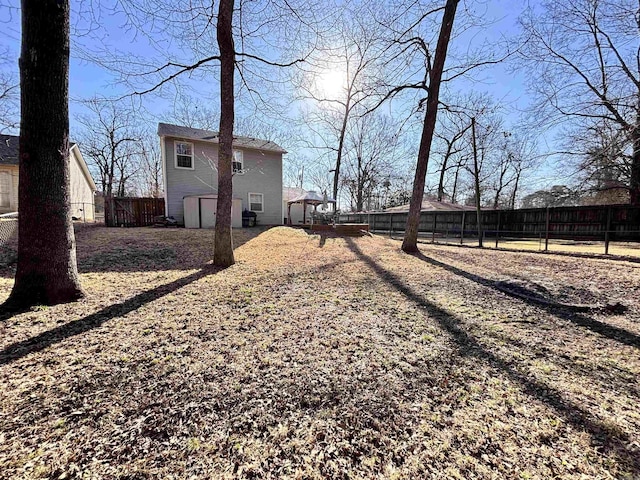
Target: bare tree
x=410 y=241
x=9 y=94
x=150 y=172
x=112 y=142
x=340 y=87
x=223 y=249
x=583 y=56
x=373 y=152
x=47 y=271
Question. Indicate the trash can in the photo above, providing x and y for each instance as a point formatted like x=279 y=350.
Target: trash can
x=248 y=219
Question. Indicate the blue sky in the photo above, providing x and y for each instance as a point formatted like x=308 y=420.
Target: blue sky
x=88 y=79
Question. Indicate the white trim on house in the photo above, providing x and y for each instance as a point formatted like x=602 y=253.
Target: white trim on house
x=241 y=162
x=175 y=155
x=75 y=150
x=165 y=191
x=262 y=201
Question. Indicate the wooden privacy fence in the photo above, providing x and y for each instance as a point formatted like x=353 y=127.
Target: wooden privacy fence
x=608 y=223
x=132 y=212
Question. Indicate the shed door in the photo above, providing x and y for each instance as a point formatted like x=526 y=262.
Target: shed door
x=208 y=212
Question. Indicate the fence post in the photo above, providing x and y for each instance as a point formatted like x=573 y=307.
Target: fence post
x=606 y=232
x=498 y=229
x=390 y=223
x=433 y=229
x=546 y=234
x=462 y=228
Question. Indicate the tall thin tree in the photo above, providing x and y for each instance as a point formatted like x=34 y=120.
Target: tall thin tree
x=223 y=246
x=47 y=271
x=410 y=242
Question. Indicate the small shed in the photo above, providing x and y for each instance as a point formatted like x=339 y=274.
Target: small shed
x=200 y=211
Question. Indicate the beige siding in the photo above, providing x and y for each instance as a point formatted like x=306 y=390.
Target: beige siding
x=11 y=170
x=263 y=174
x=82 y=205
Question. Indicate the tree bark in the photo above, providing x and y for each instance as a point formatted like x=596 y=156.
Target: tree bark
x=223 y=244
x=410 y=242
x=47 y=272
x=476 y=177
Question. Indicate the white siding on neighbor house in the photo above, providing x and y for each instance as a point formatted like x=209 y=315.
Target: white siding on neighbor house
x=82 y=205
x=10 y=173
x=263 y=174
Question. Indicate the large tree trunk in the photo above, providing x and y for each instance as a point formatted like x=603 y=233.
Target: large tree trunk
x=223 y=246
x=410 y=242
x=47 y=271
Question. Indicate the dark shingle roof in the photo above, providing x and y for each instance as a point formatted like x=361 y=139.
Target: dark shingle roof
x=9 y=149
x=168 y=130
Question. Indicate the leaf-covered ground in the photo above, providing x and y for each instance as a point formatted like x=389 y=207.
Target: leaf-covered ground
x=318 y=357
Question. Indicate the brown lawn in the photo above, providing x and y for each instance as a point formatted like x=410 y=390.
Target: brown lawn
x=318 y=357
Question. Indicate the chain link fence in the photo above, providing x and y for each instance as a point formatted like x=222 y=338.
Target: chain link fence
x=8 y=228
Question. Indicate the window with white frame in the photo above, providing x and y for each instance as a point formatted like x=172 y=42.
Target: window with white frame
x=256 y=202
x=238 y=162
x=184 y=155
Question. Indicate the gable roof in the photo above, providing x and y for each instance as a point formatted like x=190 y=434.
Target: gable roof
x=9 y=149
x=10 y=155
x=169 y=130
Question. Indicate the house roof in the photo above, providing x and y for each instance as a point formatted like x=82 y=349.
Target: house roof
x=169 y=130
x=430 y=205
x=10 y=155
x=9 y=149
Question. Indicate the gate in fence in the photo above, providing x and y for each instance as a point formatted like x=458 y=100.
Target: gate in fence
x=132 y=212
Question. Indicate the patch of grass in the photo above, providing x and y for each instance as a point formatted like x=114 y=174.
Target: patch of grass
x=353 y=360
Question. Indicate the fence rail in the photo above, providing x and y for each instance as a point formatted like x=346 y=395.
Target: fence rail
x=132 y=212
x=620 y=223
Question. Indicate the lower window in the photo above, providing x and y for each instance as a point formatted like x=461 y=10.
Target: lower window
x=256 y=202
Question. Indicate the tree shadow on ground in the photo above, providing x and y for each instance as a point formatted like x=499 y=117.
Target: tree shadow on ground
x=606 y=436
x=610 y=331
x=23 y=348
x=125 y=250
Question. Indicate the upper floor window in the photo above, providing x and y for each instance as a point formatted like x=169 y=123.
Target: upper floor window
x=238 y=162
x=184 y=155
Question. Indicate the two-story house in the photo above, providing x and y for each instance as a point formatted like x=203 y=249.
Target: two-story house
x=190 y=166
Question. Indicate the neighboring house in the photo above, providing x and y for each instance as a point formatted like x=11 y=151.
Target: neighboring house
x=289 y=193
x=82 y=184
x=431 y=204
x=189 y=167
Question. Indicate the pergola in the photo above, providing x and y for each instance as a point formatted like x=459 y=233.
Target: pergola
x=309 y=198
